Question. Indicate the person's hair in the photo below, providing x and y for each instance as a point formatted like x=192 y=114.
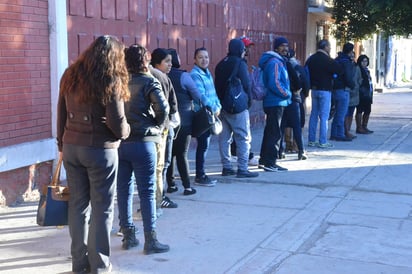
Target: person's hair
x=361 y=58
x=175 y=58
x=98 y=73
x=158 y=55
x=197 y=51
x=322 y=44
x=135 y=58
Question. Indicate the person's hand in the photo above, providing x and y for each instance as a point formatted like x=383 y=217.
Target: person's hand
x=217 y=113
x=175 y=120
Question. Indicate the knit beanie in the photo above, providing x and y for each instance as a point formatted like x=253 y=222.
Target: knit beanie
x=279 y=41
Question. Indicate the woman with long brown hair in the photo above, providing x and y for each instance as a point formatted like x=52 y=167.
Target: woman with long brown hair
x=90 y=124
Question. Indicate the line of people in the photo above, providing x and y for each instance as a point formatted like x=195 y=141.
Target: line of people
x=343 y=84
x=118 y=110
x=125 y=116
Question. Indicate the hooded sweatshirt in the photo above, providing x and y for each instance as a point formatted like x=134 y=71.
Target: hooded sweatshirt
x=276 y=80
x=227 y=65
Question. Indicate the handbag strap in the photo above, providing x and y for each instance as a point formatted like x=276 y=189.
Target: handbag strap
x=56 y=175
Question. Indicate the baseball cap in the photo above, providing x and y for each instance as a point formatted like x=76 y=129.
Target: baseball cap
x=247 y=41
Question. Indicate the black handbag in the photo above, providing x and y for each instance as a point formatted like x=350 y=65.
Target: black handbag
x=54 y=201
x=203 y=121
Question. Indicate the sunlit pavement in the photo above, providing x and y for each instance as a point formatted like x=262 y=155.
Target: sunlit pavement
x=344 y=210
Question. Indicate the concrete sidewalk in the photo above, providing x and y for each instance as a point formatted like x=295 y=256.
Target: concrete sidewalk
x=344 y=210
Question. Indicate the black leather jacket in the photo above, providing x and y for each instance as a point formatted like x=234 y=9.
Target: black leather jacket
x=147 y=109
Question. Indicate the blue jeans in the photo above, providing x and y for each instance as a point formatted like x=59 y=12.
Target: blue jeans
x=203 y=142
x=168 y=153
x=321 y=100
x=237 y=125
x=272 y=136
x=91 y=176
x=139 y=158
x=341 y=100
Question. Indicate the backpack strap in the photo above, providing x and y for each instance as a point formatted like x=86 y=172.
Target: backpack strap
x=235 y=71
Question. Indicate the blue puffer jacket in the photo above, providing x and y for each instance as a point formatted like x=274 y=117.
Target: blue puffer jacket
x=276 y=80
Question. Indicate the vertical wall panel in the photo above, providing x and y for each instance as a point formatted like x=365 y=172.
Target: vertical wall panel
x=108 y=9
x=187 y=13
x=202 y=14
x=167 y=11
x=76 y=7
x=133 y=10
x=178 y=11
x=92 y=8
x=194 y=12
x=211 y=15
x=122 y=9
x=190 y=49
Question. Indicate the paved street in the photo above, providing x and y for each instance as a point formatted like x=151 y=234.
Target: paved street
x=344 y=210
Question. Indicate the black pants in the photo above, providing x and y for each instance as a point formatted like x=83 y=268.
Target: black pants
x=271 y=136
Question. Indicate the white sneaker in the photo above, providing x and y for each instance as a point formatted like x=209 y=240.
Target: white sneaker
x=254 y=161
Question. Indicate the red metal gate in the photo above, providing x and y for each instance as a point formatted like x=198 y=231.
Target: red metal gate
x=187 y=24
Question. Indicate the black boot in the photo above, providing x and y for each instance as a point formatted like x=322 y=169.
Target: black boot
x=365 y=120
x=129 y=237
x=152 y=245
x=302 y=155
x=359 y=127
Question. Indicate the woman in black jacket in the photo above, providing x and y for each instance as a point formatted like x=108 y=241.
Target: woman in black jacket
x=146 y=113
x=363 y=110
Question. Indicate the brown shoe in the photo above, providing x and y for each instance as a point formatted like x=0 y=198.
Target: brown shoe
x=361 y=130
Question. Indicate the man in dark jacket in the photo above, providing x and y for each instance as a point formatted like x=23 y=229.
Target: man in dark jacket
x=234 y=124
x=322 y=70
x=341 y=89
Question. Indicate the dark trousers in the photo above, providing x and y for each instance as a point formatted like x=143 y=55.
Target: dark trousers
x=179 y=152
x=271 y=135
x=91 y=176
x=203 y=142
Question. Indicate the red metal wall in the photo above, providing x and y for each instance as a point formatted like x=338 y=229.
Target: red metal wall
x=187 y=24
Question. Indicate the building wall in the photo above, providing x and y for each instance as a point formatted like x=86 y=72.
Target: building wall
x=25 y=108
x=187 y=24
x=28 y=95
x=24 y=72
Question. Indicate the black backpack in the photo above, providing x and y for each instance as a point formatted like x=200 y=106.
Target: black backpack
x=235 y=99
